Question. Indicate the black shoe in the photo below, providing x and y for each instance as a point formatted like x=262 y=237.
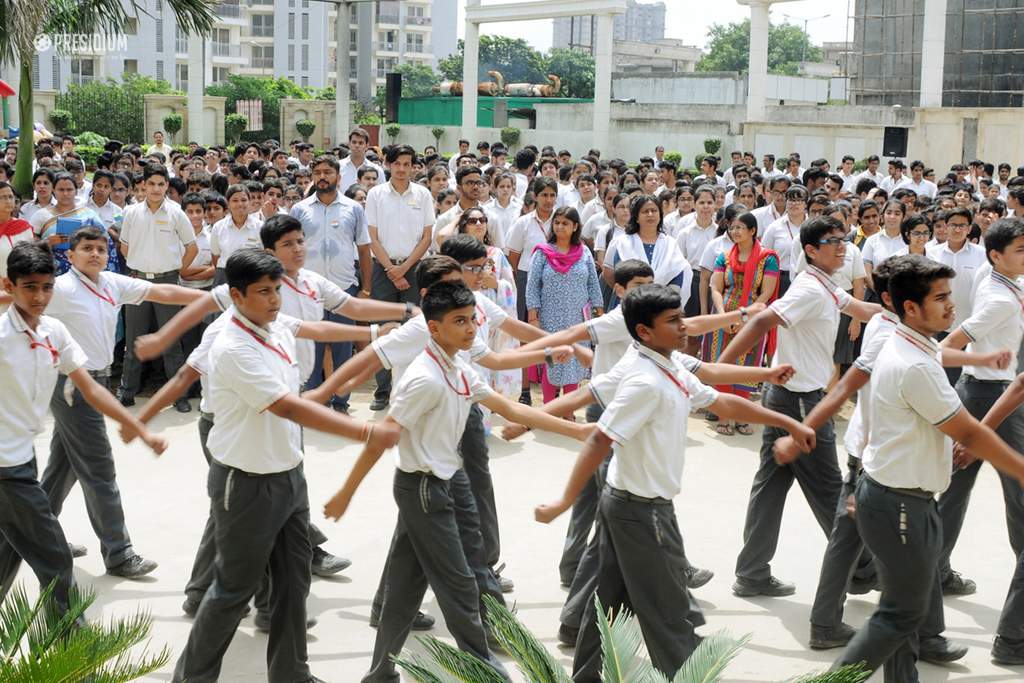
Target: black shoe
x=504 y=583
x=325 y=564
x=772 y=588
x=182 y=405
x=1006 y=651
x=379 y=403
x=78 y=550
x=955 y=584
x=567 y=635
x=262 y=622
x=526 y=398
x=940 y=650
x=127 y=400
x=695 y=578
x=421 y=622
x=133 y=568
x=339 y=408
x=861 y=586
x=826 y=638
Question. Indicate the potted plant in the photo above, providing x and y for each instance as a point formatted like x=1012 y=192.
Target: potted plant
x=393 y=129
x=62 y=120
x=510 y=136
x=234 y=126
x=172 y=124
x=438 y=133
x=305 y=128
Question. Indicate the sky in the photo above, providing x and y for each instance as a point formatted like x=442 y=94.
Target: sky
x=689 y=20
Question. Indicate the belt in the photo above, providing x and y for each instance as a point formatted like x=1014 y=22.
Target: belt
x=632 y=498
x=153 y=276
x=915 y=493
x=100 y=374
x=206 y=416
x=255 y=475
x=974 y=380
x=416 y=476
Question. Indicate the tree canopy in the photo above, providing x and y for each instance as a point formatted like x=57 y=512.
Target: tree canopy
x=418 y=80
x=268 y=90
x=520 y=63
x=728 y=48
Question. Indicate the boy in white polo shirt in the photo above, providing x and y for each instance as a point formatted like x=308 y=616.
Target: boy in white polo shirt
x=996 y=322
x=907 y=461
x=256 y=482
x=808 y=318
x=431 y=405
x=641 y=561
x=37 y=350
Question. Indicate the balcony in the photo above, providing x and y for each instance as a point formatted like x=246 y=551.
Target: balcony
x=258 y=31
x=385 y=47
x=387 y=19
x=268 y=4
x=261 y=62
x=225 y=50
x=417 y=21
x=231 y=10
x=181 y=46
x=424 y=49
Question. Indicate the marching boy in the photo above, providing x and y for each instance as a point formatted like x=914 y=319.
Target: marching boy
x=431 y=404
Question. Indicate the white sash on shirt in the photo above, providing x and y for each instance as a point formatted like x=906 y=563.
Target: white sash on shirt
x=667 y=262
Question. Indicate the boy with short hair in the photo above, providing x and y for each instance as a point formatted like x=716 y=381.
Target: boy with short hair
x=640 y=546
x=431 y=405
x=38 y=349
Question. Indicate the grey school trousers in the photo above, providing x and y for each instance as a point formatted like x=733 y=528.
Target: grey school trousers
x=427 y=551
x=143 y=319
x=384 y=289
x=259 y=520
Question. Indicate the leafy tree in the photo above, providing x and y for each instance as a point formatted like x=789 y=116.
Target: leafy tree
x=510 y=136
x=24 y=21
x=514 y=58
x=173 y=123
x=418 y=80
x=575 y=68
x=438 y=133
x=305 y=128
x=234 y=125
x=62 y=120
x=112 y=109
x=270 y=91
x=728 y=48
x=393 y=129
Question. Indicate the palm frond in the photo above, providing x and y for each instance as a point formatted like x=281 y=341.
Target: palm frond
x=422 y=670
x=622 y=647
x=852 y=673
x=53 y=624
x=710 y=659
x=462 y=665
x=16 y=617
x=532 y=658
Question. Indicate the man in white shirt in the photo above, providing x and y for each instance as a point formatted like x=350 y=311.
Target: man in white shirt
x=907 y=461
x=159 y=146
x=768 y=169
x=808 y=319
x=453 y=162
x=38 y=351
x=358 y=142
x=529 y=231
x=646 y=423
x=659 y=156
x=871 y=173
x=846 y=173
x=472 y=189
x=258 y=490
x=709 y=172
x=895 y=180
x=996 y=322
x=400 y=214
x=524 y=171
x=157 y=241
x=776 y=206
x=917 y=182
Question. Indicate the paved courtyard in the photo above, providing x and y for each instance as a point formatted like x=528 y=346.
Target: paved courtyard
x=166 y=504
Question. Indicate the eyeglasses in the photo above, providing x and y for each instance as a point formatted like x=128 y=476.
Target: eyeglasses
x=832 y=241
x=920 y=233
x=476 y=270
x=476 y=220
x=959 y=226
x=473 y=183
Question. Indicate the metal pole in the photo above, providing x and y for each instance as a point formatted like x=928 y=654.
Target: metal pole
x=341 y=94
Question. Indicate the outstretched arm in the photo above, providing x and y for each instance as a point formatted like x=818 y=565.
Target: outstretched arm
x=760 y=325
x=595 y=450
x=514 y=359
x=563 y=406
x=174 y=294
x=326 y=331
x=315 y=416
x=369 y=456
x=170 y=392
x=724 y=373
x=150 y=346
x=103 y=401
x=702 y=324
x=369 y=309
x=531 y=417
x=356 y=370
x=735 y=408
x=861 y=310
x=786 y=450
x=980 y=440
x=955 y=358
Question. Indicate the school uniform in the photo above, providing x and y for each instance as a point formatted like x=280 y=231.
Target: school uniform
x=809 y=312
x=259 y=500
x=907 y=460
x=766 y=215
x=881 y=246
x=844 y=542
x=526 y=234
x=852 y=270
x=996 y=323
x=640 y=546
x=226 y=238
x=29 y=366
x=432 y=402
x=155 y=241
x=780 y=237
x=79 y=448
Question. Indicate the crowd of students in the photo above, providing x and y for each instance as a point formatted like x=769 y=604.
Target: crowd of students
x=672 y=294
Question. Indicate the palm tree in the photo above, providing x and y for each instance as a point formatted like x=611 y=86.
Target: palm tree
x=623 y=658
x=38 y=642
x=24 y=20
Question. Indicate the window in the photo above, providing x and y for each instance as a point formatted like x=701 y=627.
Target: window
x=291 y=26
x=263 y=25
x=220 y=74
x=385 y=65
x=131 y=26
x=263 y=56
x=352 y=40
x=305 y=4
x=351 y=67
x=35 y=73
x=160 y=69
x=305 y=27
x=159 y=35
x=414 y=42
x=55 y=65
x=386 y=40
x=82 y=71
x=131 y=66
x=305 y=57
x=291 y=58
x=181 y=76
x=305 y=81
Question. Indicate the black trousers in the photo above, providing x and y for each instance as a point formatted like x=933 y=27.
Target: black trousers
x=476 y=462
x=31 y=532
x=584 y=512
x=143 y=319
x=904 y=533
x=259 y=520
x=384 y=290
x=641 y=569
x=427 y=551
x=817 y=473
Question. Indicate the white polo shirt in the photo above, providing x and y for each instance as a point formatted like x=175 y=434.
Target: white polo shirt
x=779 y=237
x=431 y=401
x=925 y=188
x=851 y=270
x=647 y=420
x=880 y=246
x=807 y=337
x=399 y=217
x=155 y=239
x=504 y=217
x=591 y=209
x=611 y=338
x=400 y=347
x=251 y=368
x=608 y=234
x=876 y=334
x=766 y=215
x=693 y=240
x=721 y=244
x=90 y=310
x=594 y=225
x=911 y=398
x=204 y=257
x=108 y=213
x=996 y=323
x=226 y=238
x=966 y=262
x=29 y=367
x=603 y=386
x=526 y=233
x=349 y=172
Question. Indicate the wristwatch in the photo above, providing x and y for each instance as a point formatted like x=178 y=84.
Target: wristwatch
x=408 y=310
x=744 y=316
x=549 y=357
